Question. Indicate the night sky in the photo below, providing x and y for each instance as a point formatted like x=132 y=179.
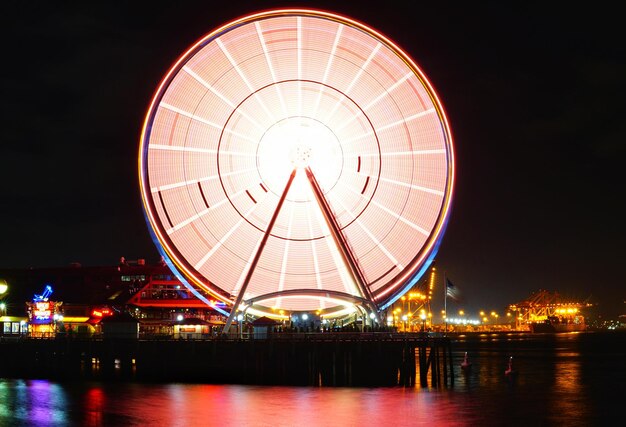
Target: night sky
x=534 y=94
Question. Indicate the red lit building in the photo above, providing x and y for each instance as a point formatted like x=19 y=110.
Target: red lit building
x=80 y=297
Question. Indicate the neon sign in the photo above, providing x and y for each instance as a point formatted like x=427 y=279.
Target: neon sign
x=43 y=310
x=47 y=291
x=101 y=312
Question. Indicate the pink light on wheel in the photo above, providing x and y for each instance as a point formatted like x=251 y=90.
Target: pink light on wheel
x=321 y=95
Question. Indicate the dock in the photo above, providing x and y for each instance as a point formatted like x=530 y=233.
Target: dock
x=295 y=359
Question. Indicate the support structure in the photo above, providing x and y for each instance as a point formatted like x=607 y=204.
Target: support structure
x=259 y=251
x=341 y=242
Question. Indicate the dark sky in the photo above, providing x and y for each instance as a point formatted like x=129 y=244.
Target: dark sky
x=535 y=96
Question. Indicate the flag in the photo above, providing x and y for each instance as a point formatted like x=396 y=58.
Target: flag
x=452 y=291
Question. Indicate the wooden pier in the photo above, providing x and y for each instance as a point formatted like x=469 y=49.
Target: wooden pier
x=303 y=359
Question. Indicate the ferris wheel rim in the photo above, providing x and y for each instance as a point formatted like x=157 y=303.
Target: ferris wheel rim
x=174 y=256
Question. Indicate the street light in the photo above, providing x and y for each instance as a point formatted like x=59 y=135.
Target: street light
x=239 y=319
x=423 y=317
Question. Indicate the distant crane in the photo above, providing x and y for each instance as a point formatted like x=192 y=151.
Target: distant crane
x=543 y=305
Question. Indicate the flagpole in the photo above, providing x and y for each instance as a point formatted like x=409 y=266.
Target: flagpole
x=445 y=302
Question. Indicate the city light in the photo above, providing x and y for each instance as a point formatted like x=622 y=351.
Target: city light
x=459 y=321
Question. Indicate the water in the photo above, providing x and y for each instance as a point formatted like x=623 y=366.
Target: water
x=575 y=379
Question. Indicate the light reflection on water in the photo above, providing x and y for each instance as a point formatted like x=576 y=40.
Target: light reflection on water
x=39 y=402
x=562 y=380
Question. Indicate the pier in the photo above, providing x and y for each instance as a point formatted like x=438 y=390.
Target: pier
x=298 y=359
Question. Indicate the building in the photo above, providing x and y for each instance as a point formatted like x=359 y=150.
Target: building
x=74 y=299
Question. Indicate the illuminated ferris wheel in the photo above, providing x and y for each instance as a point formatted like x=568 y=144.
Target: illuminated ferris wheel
x=297 y=160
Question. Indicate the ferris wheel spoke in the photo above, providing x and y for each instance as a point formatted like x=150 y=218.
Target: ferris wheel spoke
x=241 y=73
x=259 y=32
x=354 y=80
x=259 y=251
x=346 y=253
x=331 y=56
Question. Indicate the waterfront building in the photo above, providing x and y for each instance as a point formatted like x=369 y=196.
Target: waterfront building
x=76 y=299
x=13 y=326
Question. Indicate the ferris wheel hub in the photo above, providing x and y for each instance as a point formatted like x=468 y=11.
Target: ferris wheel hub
x=299 y=142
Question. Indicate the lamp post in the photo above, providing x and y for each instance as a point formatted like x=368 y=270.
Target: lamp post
x=396 y=316
x=423 y=317
x=239 y=323
x=495 y=316
x=4 y=287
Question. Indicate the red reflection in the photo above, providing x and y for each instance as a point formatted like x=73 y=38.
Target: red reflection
x=94 y=406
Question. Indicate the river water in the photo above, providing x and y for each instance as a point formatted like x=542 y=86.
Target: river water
x=570 y=379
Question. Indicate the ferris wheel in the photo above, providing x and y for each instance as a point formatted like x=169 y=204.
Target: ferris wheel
x=297 y=160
